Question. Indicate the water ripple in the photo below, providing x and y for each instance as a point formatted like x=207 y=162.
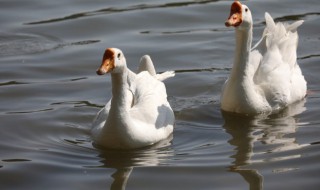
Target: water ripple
x=16 y=160
x=21 y=44
x=296 y=17
x=202 y=70
x=200 y=30
x=309 y=56
x=11 y=83
x=30 y=111
x=111 y=10
x=78 y=104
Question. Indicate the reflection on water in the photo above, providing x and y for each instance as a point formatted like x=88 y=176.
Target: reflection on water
x=50 y=95
x=252 y=139
x=271 y=131
x=124 y=161
x=121 y=177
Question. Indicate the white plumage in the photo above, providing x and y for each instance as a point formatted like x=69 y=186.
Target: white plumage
x=138 y=113
x=265 y=78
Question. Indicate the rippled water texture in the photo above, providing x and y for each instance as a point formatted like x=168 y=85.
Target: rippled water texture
x=49 y=51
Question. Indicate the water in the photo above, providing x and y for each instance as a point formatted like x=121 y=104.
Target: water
x=50 y=94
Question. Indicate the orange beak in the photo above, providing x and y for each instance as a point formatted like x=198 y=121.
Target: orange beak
x=235 y=17
x=107 y=62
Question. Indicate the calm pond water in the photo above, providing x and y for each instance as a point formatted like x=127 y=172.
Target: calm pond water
x=49 y=51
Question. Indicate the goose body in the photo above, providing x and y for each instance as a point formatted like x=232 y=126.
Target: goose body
x=138 y=114
x=266 y=78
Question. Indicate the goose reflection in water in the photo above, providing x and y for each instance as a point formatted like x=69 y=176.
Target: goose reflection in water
x=124 y=161
x=270 y=134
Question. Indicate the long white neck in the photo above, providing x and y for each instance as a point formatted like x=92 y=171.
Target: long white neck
x=239 y=94
x=241 y=59
x=116 y=126
x=120 y=91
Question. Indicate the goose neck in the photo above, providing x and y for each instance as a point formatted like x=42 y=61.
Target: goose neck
x=119 y=88
x=243 y=48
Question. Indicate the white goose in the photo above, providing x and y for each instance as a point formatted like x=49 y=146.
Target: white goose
x=266 y=78
x=138 y=113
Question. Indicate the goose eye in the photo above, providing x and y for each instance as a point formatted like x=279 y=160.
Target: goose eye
x=246 y=9
x=118 y=55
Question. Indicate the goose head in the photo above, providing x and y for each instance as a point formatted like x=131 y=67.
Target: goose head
x=240 y=16
x=113 y=61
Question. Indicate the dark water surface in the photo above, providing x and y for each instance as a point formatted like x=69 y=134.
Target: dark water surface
x=49 y=51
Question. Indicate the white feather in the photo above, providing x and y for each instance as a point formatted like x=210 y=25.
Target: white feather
x=138 y=114
x=266 y=78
